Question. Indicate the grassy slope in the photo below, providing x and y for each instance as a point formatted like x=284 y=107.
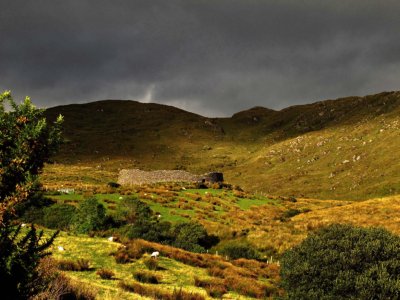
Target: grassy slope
x=266 y=230
x=174 y=274
x=300 y=150
x=227 y=215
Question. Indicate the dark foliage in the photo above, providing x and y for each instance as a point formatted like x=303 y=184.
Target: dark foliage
x=239 y=249
x=344 y=262
x=105 y=274
x=26 y=144
x=19 y=259
x=59 y=216
x=147 y=277
x=91 y=216
x=142 y=223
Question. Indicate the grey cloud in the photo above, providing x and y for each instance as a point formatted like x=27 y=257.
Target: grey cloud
x=210 y=57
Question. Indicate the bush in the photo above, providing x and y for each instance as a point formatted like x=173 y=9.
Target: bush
x=289 y=213
x=155 y=293
x=112 y=184
x=105 y=274
x=59 y=216
x=343 y=262
x=26 y=144
x=131 y=210
x=146 y=277
x=151 y=263
x=91 y=216
x=188 y=236
x=237 y=249
x=182 y=295
x=71 y=265
x=122 y=258
x=215 y=287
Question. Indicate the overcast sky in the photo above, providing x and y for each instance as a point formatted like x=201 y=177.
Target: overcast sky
x=213 y=57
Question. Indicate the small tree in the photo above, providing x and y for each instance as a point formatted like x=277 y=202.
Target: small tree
x=188 y=236
x=343 y=262
x=91 y=216
x=131 y=210
x=26 y=144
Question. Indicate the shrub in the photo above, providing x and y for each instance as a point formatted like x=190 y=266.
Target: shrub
x=146 y=277
x=112 y=184
x=188 y=236
x=83 y=264
x=71 y=265
x=182 y=295
x=289 y=213
x=131 y=210
x=246 y=286
x=105 y=273
x=143 y=290
x=122 y=258
x=151 y=263
x=59 y=216
x=343 y=262
x=26 y=143
x=91 y=216
x=215 y=287
x=33 y=215
x=237 y=249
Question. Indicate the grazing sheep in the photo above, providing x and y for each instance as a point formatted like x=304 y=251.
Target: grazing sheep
x=23 y=225
x=155 y=254
x=111 y=239
x=60 y=248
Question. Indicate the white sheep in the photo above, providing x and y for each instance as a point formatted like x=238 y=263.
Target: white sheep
x=60 y=248
x=111 y=239
x=23 y=225
x=155 y=254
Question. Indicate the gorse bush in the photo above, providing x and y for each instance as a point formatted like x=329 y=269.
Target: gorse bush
x=26 y=144
x=343 y=262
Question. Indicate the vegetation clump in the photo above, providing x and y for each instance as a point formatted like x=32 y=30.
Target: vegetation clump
x=343 y=262
x=151 y=263
x=71 y=265
x=105 y=274
x=147 y=277
x=26 y=144
x=239 y=249
x=91 y=216
x=157 y=293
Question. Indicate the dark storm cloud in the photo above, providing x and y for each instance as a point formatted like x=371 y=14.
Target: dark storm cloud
x=211 y=57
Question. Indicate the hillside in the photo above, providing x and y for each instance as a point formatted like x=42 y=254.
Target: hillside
x=334 y=149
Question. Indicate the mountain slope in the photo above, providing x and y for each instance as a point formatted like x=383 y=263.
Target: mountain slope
x=345 y=148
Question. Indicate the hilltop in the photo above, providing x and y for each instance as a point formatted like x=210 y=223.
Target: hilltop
x=333 y=149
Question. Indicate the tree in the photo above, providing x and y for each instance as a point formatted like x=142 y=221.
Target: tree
x=26 y=144
x=131 y=210
x=343 y=262
x=188 y=236
x=91 y=215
